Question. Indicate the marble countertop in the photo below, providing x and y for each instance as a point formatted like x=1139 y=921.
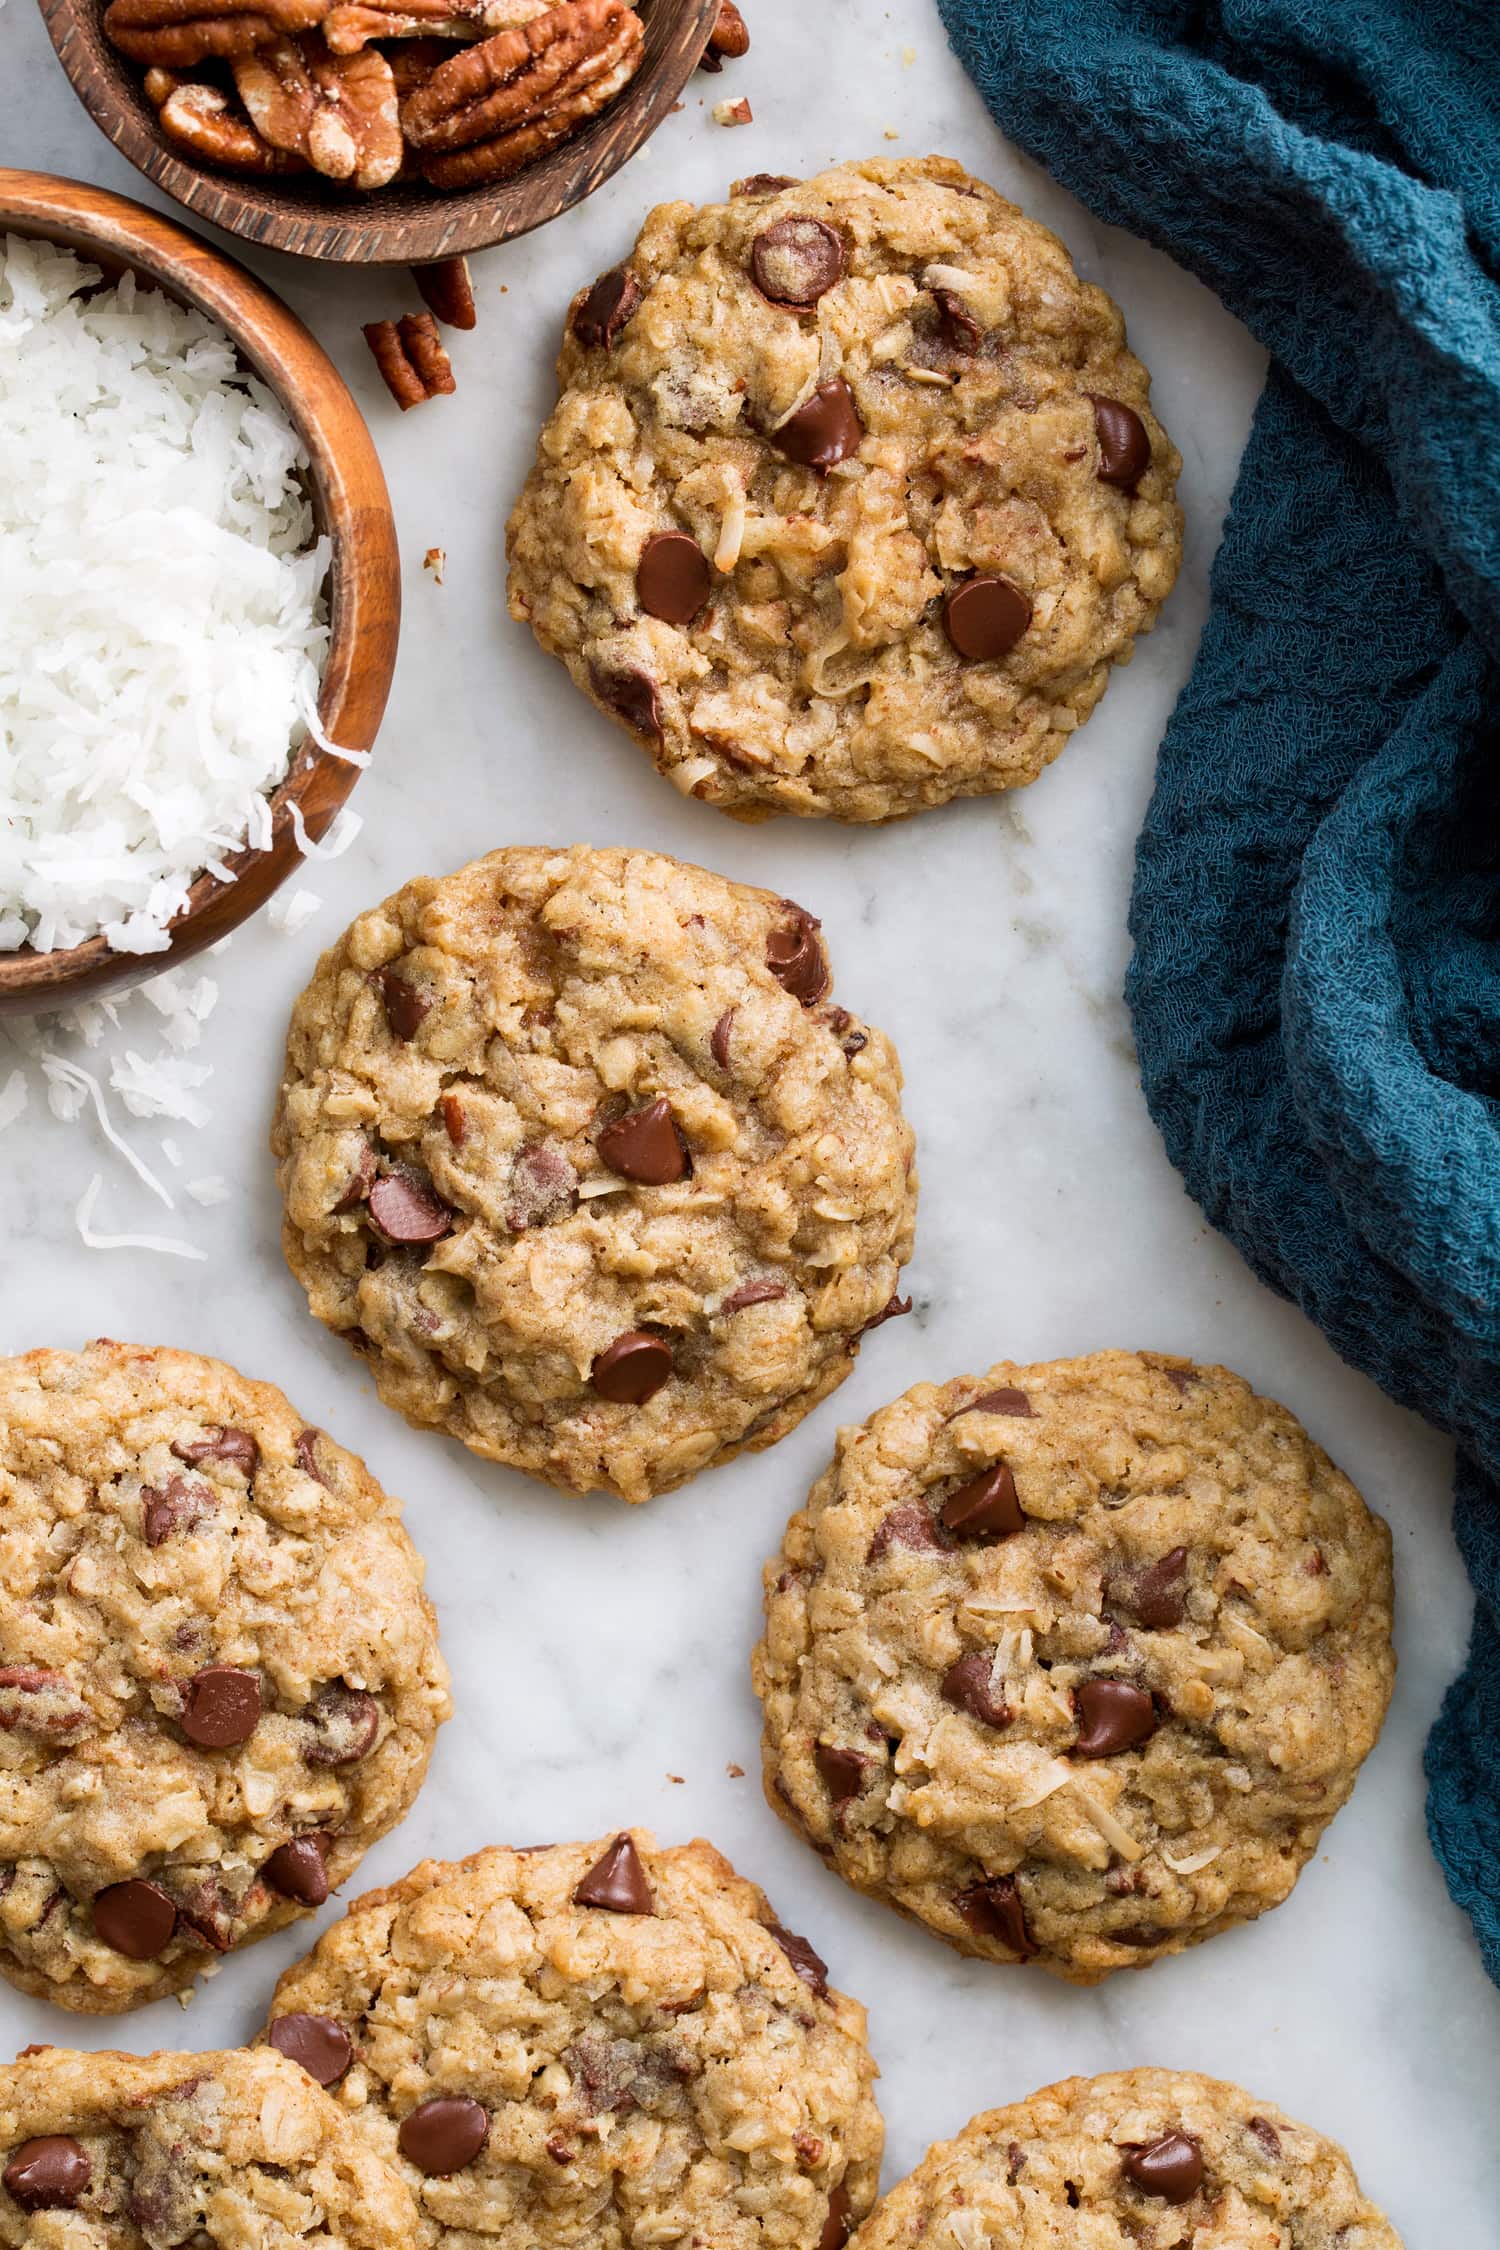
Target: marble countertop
x=600 y=1656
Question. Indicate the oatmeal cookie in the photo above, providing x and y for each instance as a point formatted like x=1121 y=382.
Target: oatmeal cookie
x=576 y=1146
x=1158 y=2156
x=219 y=1677
x=1075 y=1663
x=131 y=2152
x=606 y=2044
x=852 y=496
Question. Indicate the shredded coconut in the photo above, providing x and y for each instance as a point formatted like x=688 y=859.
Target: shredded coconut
x=291 y=911
x=94 y=1241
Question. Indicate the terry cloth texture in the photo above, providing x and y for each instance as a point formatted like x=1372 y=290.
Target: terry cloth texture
x=1316 y=980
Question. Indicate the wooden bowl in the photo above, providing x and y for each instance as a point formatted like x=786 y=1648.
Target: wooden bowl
x=351 y=507
x=410 y=224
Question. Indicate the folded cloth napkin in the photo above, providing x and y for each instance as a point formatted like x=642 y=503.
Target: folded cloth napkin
x=1316 y=980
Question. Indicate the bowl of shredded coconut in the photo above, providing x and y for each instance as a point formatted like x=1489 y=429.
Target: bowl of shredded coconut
x=200 y=589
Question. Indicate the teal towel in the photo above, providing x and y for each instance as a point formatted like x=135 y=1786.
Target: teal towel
x=1316 y=979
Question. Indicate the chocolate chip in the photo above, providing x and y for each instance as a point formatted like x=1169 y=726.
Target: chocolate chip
x=1171 y=2167
x=137 y=1918
x=795 y=956
x=360 y=1181
x=406 y=1008
x=842 y=1772
x=718 y=1038
x=407 y=1209
x=443 y=2135
x=307 y=1455
x=48 y=2174
x=984 y=617
x=1136 y=1934
x=221 y=1706
x=298 y=1869
x=1124 y=448
x=823 y=431
x=633 y=1368
x=208 y=1913
x=321 y=2046
x=753 y=1293
x=236 y=1447
x=672 y=577
x=796 y=260
x=455 y=1124
x=1001 y=1401
x=184 y=1504
x=763 y=183
x=960 y=330
x=967 y=1685
x=994 y=1910
x=896 y=1307
x=805 y=1959
x=984 y=1509
x=1266 y=2133
x=1113 y=1716
x=605 y=310
x=911 y=1526
x=838 y=2226
x=617 y=1882
x=645 y=1145
x=1157 y=1596
x=344 y=1723
x=631 y=696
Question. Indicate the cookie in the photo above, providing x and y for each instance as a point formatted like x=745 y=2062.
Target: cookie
x=578 y=1150
x=606 y=2044
x=1075 y=1663
x=1140 y=2156
x=131 y=2152
x=219 y=1677
x=852 y=495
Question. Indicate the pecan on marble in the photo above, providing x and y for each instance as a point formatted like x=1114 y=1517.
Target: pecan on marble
x=447 y=291
x=490 y=109
x=411 y=359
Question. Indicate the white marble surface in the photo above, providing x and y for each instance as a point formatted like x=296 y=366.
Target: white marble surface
x=598 y=1652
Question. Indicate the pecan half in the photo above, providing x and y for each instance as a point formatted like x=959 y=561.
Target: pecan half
x=178 y=33
x=411 y=358
x=447 y=291
x=492 y=108
x=201 y=120
x=338 y=112
x=351 y=24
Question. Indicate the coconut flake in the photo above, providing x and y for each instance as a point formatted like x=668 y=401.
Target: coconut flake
x=13 y=1098
x=337 y=837
x=213 y=1189
x=163 y=1243
x=74 y=1074
x=291 y=911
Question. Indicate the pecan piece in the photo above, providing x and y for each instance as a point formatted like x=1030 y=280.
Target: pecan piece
x=492 y=108
x=411 y=358
x=178 y=33
x=200 y=119
x=728 y=40
x=447 y=291
x=336 y=111
x=351 y=24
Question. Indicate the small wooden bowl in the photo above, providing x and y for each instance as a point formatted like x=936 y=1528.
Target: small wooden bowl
x=404 y=225
x=351 y=507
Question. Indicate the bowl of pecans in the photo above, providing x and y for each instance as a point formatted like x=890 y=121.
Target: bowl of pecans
x=383 y=132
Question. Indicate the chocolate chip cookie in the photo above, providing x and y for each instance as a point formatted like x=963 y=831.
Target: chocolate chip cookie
x=1075 y=1663
x=130 y=2152
x=577 y=1147
x=607 y=2043
x=1158 y=2156
x=852 y=496
x=219 y=1677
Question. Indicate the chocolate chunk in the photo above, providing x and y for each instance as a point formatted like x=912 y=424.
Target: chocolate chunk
x=838 y=2226
x=360 y=1181
x=960 y=330
x=1112 y=1716
x=994 y=1910
x=631 y=696
x=236 y=1447
x=1138 y=1935
x=823 y=431
x=967 y=1685
x=455 y=1124
x=406 y=1007
x=795 y=956
x=136 y=1917
x=842 y=1772
x=1171 y=2167
x=1124 y=448
x=183 y=1505
x=35 y=1701
x=1157 y=1596
x=443 y=2135
x=753 y=1293
x=408 y=1209
x=1002 y=1401
x=221 y=1706
x=763 y=183
x=298 y=1869
x=896 y=1307
x=307 y=1455
x=322 y=2046
x=207 y=1912
x=604 y=311
x=48 y=2174
x=911 y=1526
x=633 y=1368
x=795 y=260
x=344 y=1723
x=1266 y=2133
x=672 y=577
x=542 y=1184
x=986 y=1508
x=645 y=1145
x=984 y=617
x=718 y=1039
x=617 y=1882
x=808 y=1963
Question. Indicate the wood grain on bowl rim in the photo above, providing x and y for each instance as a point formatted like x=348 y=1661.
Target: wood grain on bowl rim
x=351 y=506
x=406 y=223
